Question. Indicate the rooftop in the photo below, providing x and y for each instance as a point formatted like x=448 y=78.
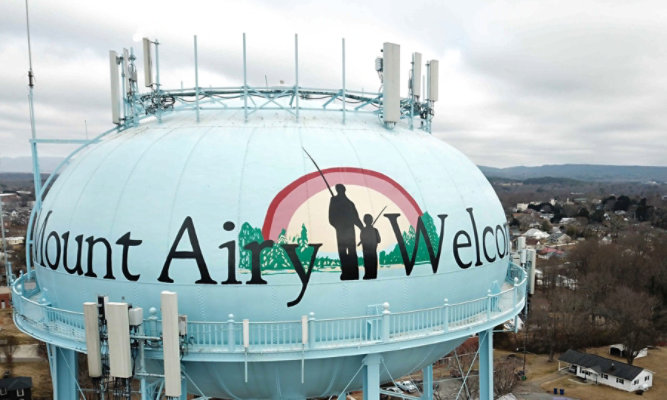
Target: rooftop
x=601 y=365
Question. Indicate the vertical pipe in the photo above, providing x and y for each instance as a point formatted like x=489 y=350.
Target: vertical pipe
x=196 y=81
x=37 y=178
x=411 y=93
x=386 y=315
x=427 y=375
x=311 y=329
x=64 y=372
x=344 y=96
x=124 y=96
x=486 y=365
x=4 y=245
x=142 y=364
x=157 y=79
x=371 y=377
x=488 y=305
x=296 y=73
x=231 y=341
x=132 y=92
x=245 y=83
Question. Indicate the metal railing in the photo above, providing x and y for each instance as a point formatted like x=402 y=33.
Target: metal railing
x=228 y=336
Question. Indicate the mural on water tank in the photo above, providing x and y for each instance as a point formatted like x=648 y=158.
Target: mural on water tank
x=356 y=224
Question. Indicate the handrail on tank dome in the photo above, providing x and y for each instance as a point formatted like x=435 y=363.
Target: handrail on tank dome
x=53 y=324
x=49 y=181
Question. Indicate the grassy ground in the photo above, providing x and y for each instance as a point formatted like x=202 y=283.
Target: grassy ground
x=543 y=377
x=38 y=371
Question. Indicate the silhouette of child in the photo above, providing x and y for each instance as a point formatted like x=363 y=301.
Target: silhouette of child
x=370 y=237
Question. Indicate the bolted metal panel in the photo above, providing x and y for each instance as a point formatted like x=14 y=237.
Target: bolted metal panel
x=171 y=344
x=91 y=322
x=120 y=360
x=391 y=91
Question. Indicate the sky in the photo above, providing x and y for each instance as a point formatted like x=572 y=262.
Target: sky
x=521 y=82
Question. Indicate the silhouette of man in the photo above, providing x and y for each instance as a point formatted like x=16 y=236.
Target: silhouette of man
x=343 y=216
x=370 y=237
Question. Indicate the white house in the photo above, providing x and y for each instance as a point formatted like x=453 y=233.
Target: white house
x=608 y=372
x=535 y=233
x=14 y=240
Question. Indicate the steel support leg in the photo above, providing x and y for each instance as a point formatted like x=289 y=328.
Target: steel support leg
x=371 y=377
x=184 y=389
x=64 y=373
x=486 y=365
x=427 y=380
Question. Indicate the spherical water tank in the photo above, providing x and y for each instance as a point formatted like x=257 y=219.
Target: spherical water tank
x=312 y=222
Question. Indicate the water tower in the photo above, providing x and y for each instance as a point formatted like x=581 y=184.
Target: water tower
x=265 y=242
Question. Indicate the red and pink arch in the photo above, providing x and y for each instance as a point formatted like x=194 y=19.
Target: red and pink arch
x=286 y=202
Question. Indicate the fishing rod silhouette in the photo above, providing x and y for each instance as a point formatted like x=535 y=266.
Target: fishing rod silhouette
x=331 y=191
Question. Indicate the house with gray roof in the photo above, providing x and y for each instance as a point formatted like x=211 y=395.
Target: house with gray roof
x=16 y=388
x=609 y=372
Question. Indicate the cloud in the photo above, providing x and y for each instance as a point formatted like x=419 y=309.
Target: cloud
x=522 y=82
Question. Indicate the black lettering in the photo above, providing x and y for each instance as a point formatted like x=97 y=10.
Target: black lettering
x=53 y=265
x=420 y=232
x=231 y=256
x=290 y=249
x=474 y=231
x=91 y=246
x=41 y=239
x=488 y=229
x=196 y=254
x=231 y=263
x=77 y=268
x=500 y=229
x=458 y=245
x=255 y=266
x=126 y=242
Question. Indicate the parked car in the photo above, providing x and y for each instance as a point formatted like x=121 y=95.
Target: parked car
x=407 y=386
x=393 y=389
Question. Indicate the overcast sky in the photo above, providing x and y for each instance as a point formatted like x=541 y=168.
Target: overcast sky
x=522 y=82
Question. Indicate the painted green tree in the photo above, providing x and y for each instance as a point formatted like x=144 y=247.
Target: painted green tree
x=409 y=237
x=247 y=234
x=274 y=258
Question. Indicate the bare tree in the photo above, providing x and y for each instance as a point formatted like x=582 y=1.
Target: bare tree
x=504 y=376
x=632 y=315
x=462 y=364
x=8 y=348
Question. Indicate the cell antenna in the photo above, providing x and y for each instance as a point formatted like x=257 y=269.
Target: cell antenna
x=115 y=87
x=432 y=80
x=127 y=72
x=391 y=75
x=415 y=80
x=148 y=63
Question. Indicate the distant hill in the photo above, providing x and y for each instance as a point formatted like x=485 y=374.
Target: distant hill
x=24 y=164
x=582 y=172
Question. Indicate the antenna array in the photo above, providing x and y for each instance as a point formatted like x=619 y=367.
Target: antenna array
x=388 y=104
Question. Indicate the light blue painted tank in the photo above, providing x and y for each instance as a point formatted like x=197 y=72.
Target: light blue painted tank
x=272 y=220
